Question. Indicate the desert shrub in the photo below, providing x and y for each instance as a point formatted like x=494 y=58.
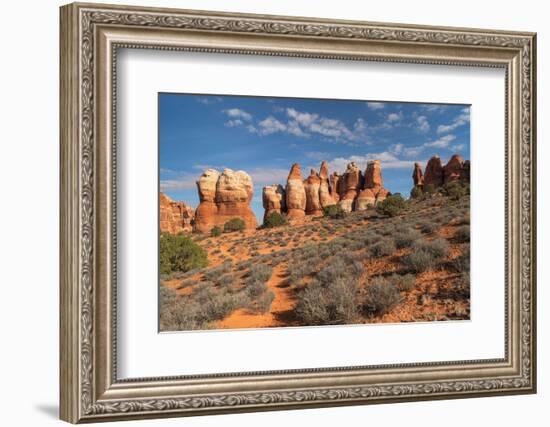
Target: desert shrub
x=255 y=288
x=463 y=234
x=263 y=303
x=335 y=269
x=218 y=305
x=216 y=231
x=455 y=190
x=405 y=239
x=430 y=189
x=334 y=212
x=214 y=274
x=381 y=296
x=393 y=205
x=416 y=192
x=462 y=262
x=226 y=279
x=328 y=305
x=177 y=313
x=427 y=227
x=300 y=269
x=383 y=248
x=439 y=248
x=234 y=224
x=259 y=272
x=403 y=282
x=275 y=219
x=180 y=253
x=419 y=261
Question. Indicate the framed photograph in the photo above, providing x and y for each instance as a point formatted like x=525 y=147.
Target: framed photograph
x=266 y=212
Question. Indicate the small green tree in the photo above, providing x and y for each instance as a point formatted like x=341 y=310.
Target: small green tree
x=216 y=231
x=430 y=189
x=334 y=212
x=392 y=205
x=180 y=253
x=456 y=190
x=234 y=224
x=275 y=219
x=416 y=192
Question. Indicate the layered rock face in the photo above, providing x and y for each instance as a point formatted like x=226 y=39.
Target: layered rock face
x=273 y=199
x=223 y=197
x=295 y=193
x=437 y=175
x=175 y=217
x=373 y=191
x=334 y=186
x=418 y=176
x=351 y=183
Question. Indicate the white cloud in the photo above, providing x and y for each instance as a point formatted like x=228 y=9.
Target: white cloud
x=268 y=176
x=387 y=159
x=271 y=125
x=423 y=124
x=209 y=100
x=375 y=105
x=394 y=117
x=461 y=119
x=442 y=142
x=237 y=113
x=457 y=147
x=233 y=123
x=183 y=182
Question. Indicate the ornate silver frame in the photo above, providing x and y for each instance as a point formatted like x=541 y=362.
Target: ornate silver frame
x=90 y=36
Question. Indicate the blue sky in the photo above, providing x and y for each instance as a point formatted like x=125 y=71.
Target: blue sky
x=264 y=136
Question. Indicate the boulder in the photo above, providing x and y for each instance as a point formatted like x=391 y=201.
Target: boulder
x=223 y=197
x=273 y=199
x=434 y=172
x=312 y=185
x=418 y=176
x=175 y=217
x=295 y=193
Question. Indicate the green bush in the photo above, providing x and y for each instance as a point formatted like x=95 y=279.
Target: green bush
x=381 y=296
x=234 y=224
x=405 y=239
x=179 y=253
x=393 y=205
x=334 y=212
x=275 y=219
x=403 y=282
x=456 y=190
x=216 y=231
x=430 y=189
x=416 y=192
x=419 y=261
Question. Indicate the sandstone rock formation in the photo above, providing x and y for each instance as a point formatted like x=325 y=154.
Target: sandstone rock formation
x=434 y=172
x=437 y=175
x=223 y=197
x=273 y=199
x=418 y=176
x=351 y=190
x=334 y=186
x=325 y=196
x=373 y=191
x=351 y=184
x=312 y=185
x=295 y=193
x=175 y=217
x=452 y=171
